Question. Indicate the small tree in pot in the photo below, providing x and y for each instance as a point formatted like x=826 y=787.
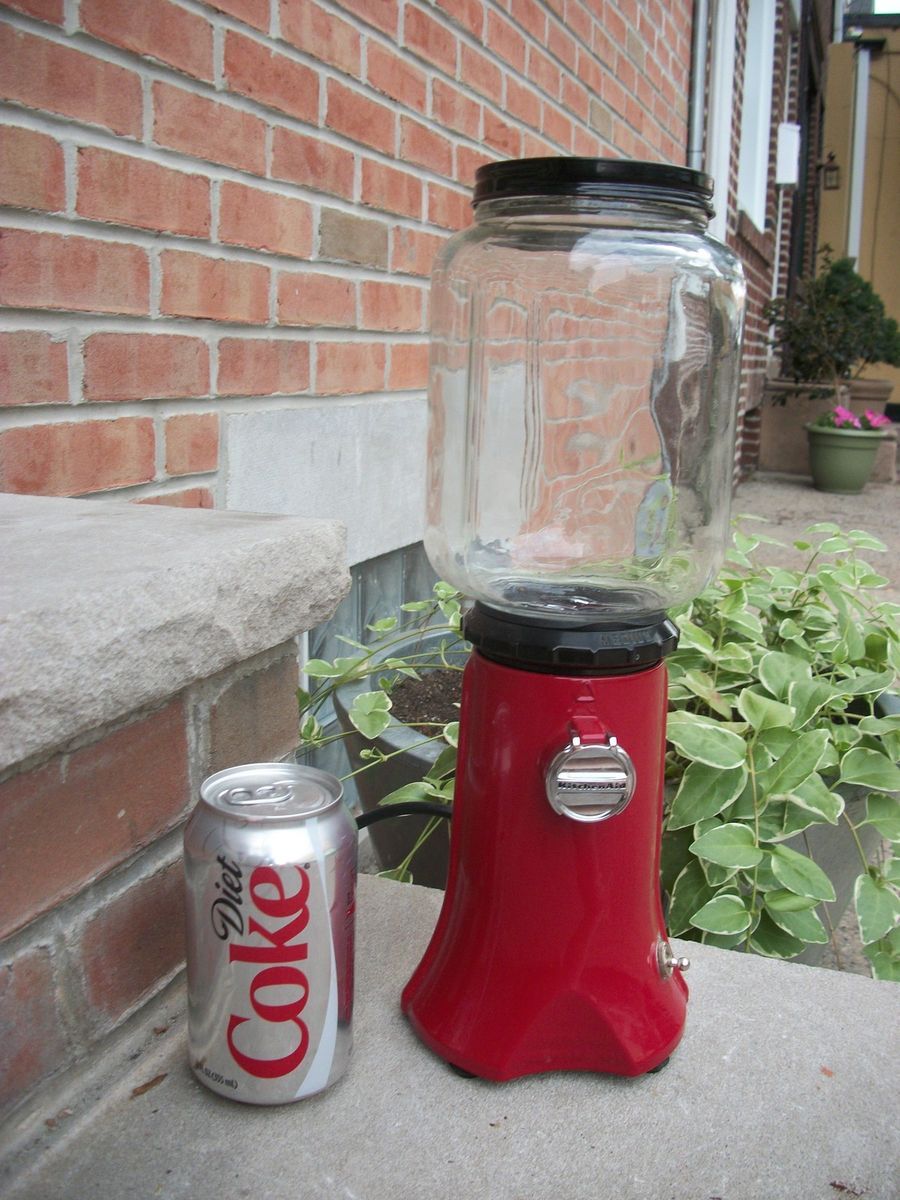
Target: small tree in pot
x=833 y=327
x=827 y=333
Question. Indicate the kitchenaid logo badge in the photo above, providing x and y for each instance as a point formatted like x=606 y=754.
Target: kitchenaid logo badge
x=278 y=987
x=592 y=787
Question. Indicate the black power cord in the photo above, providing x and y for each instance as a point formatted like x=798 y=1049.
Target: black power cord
x=411 y=808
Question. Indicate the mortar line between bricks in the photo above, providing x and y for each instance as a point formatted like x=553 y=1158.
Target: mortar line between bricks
x=70 y=177
x=272 y=298
x=155 y=268
x=313 y=366
x=268 y=151
x=60 y=321
x=212 y=346
x=71 y=914
x=169 y=485
x=215 y=203
x=129 y=235
x=146 y=140
x=226 y=406
x=72 y=15
x=75 y=367
x=160 y=449
x=218 y=54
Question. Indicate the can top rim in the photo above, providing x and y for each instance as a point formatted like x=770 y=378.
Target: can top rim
x=270 y=791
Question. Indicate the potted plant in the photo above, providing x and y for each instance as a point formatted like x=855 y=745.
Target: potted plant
x=842 y=448
x=395 y=761
x=780 y=746
x=828 y=333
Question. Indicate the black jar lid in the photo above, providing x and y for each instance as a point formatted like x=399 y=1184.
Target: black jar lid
x=600 y=178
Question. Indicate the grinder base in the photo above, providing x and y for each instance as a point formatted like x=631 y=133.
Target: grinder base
x=550 y=950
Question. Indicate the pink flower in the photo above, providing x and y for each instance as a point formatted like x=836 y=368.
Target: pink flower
x=843 y=416
x=877 y=420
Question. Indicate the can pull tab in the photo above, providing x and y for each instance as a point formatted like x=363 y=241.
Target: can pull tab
x=268 y=793
x=593 y=778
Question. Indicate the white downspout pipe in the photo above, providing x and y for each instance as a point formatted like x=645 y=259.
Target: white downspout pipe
x=858 y=157
x=779 y=220
x=721 y=110
x=697 y=126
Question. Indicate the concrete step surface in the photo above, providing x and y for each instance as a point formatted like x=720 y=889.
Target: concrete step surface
x=782 y=1089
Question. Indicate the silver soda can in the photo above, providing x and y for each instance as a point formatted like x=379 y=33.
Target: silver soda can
x=270 y=867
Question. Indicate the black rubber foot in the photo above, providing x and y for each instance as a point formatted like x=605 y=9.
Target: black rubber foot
x=460 y=1072
x=657 y=1069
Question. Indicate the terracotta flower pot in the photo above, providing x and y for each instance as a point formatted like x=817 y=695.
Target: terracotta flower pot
x=872 y=394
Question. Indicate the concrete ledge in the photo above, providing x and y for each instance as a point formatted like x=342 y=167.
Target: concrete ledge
x=300 y=461
x=782 y=1089
x=106 y=607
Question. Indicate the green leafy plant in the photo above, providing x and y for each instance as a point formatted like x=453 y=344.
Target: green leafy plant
x=833 y=327
x=398 y=651
x=772 y=726
x=772 y=723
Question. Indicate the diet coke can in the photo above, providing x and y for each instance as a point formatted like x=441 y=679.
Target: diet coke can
x=270 y=867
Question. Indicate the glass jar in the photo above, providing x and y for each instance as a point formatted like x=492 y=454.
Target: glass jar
x=583 y=391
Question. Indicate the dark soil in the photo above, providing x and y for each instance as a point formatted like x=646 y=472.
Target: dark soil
x=433 y=698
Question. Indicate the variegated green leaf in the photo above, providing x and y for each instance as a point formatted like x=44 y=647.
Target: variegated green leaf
x=800 y=874
x=703 y=792
x=723 y=914
x=730 y=845
x=773 y=942
x=877 y=908
x=689 y=893
x=704 y=740
x=370 y=713
x=777 y=671
x=762 y=712
x=798 y=762
x=871 y=769
x=803 y=924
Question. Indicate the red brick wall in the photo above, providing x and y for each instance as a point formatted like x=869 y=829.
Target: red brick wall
x=91 y=884
x=211 y=207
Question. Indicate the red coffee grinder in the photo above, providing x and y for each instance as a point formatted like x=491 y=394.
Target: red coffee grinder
x=585 y=351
